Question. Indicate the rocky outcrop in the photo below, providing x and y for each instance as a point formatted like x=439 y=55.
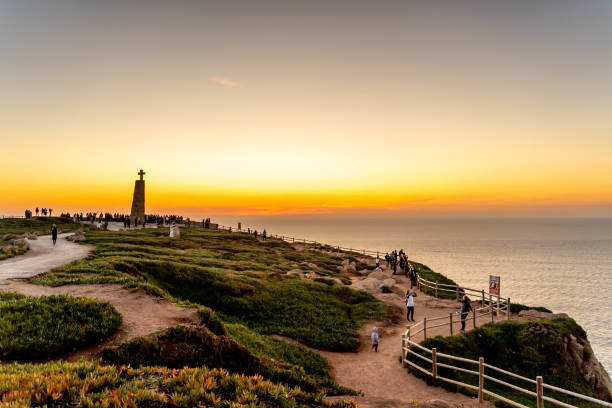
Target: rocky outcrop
x=76 y=237
x=534 y=316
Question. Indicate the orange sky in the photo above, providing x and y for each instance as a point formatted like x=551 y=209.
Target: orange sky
x=292 y=109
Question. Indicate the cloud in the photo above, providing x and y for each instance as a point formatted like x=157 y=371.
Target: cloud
x=226 y=82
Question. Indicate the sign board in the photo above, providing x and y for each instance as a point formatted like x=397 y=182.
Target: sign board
x=494 y=285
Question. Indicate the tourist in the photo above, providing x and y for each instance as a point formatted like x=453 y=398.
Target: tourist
x=410 y=305
x=50 y=211
x=374 y=338
x=239 y=226
x=377 y=261
x=413 y=276
x=37 y=211
x=466 y=307
x=394 y=261
x=264 y=234
x=387 y=261
x=255 y=234
x=54 y=234
x=229 y=230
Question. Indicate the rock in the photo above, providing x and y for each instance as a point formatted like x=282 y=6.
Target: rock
x=390 y=282
x=76 y=237
x=378 y=274
x=295 y=272
x=534 y=315
x=8 y=237
x=20 y=242
x=31 y=236
x=362 y=272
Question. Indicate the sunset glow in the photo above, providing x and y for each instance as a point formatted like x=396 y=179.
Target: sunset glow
x=341 y=108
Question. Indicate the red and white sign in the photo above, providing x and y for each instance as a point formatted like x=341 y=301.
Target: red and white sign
x=494 y=285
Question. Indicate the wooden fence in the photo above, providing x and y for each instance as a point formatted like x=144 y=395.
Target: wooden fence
x=490 y=305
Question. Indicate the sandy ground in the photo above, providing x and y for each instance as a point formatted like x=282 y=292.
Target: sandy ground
x=142 y=313
x=42 y=257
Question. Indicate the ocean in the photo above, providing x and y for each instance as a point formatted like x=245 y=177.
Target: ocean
x=562 y=264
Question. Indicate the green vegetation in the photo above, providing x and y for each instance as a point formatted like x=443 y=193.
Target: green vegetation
x=517 y=307
x=37 y=328
x=184 y=346
x=266 y=346
x=36 y=225
x=527 y=349
x=91 y=385
x=243 y=280
x=427 y=274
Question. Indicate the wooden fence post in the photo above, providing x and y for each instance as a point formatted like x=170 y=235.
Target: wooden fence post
x=450 y=317
x=540 y=391
x=425 y=328
x=474 y=316
x=434 y=363
x=404 y=351
x=457 y=293
x=508 y=311
x=436 y=289
x=498 y=304
x=480 y=379
x=492 y=317
x=409 y=335
x=483 y=299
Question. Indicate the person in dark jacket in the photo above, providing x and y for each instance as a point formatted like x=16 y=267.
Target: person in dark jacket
x=466 y=307
x=54 y=234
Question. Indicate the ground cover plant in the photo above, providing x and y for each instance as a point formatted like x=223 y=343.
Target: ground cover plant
x=527 y=349
x=35 y=225
x=426 y=273
x=86 y=384
x=39 y=328
x=196 y=346
x=242 y=279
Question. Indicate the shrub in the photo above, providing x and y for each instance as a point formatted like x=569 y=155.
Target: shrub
x=88 y=384
x=37 y=328
x=517 y=307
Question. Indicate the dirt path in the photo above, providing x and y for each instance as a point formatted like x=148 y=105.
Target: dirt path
x=42 y=257
x=142 y=313
x=380 y=375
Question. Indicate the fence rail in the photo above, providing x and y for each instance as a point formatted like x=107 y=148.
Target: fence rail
x=294 y=240
x=490 y=305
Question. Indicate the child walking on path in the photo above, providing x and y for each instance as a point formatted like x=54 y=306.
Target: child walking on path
x=374 y=338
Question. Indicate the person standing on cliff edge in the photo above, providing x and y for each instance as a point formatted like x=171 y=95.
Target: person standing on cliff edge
x=466 y=307
x=54 y=234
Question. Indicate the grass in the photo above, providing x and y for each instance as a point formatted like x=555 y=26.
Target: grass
x=527 y=349
x=87 y=385
x=35 y=225
x=243 y=280
x=39 y=328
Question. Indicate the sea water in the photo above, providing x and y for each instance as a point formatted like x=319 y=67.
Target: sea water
x=562 y=264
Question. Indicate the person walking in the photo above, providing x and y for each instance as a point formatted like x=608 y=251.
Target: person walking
x=374 y=338
x=264 y=234
x=466 y=307
x=410 y=305
x=377 y=261
x=387 y=261
x=54 y=234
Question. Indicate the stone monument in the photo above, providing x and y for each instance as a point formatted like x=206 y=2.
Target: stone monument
x=138 y=201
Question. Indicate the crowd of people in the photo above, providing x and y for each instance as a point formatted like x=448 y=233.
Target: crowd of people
x=44 y=212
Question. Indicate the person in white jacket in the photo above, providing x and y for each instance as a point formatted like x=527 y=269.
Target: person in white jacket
x=374 y=338
x=410 y=295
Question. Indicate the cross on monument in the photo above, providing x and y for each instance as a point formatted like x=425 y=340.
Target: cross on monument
x=141 y=173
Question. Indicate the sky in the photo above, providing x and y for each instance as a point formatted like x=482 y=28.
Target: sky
x=475 y=108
